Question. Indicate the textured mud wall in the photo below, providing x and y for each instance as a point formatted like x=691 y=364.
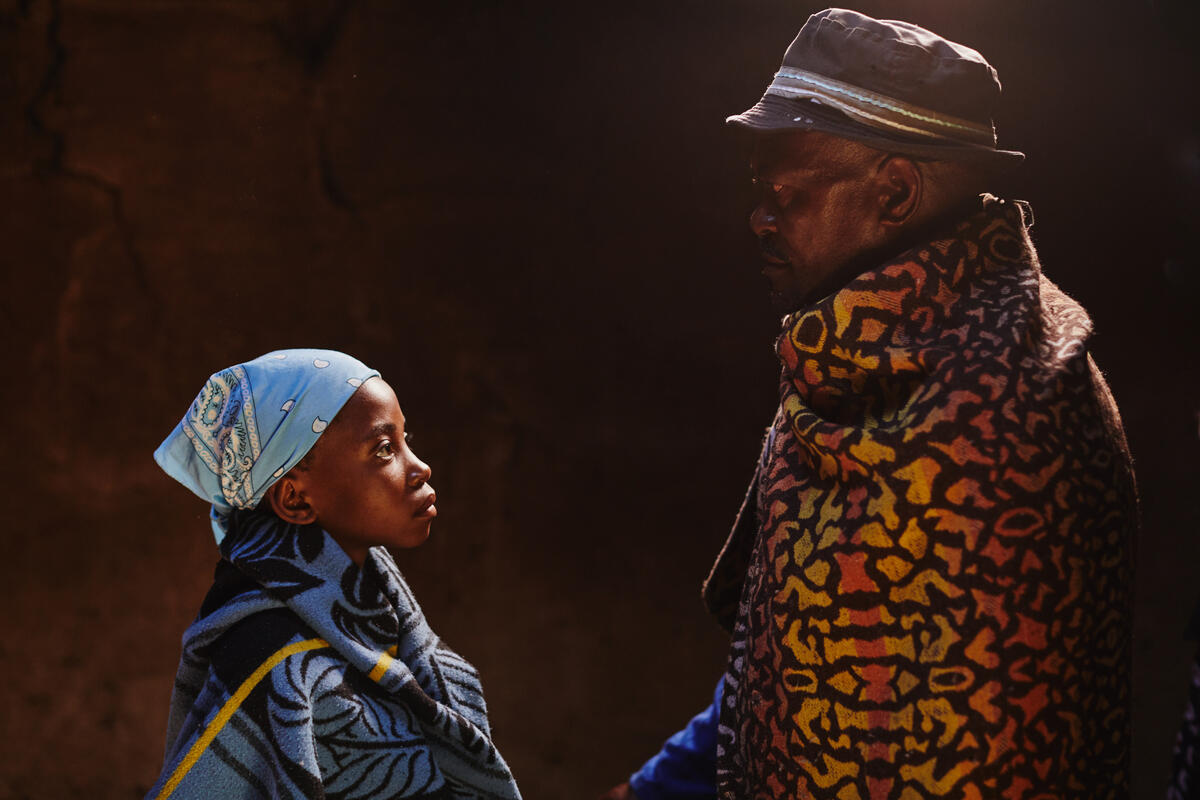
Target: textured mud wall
x=531 y=219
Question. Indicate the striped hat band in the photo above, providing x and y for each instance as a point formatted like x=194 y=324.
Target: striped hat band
x=877 y=110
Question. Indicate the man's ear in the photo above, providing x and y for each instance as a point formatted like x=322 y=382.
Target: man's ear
x=900 y=184
x=289 y=502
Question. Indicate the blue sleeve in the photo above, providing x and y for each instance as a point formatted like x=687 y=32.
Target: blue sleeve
x=686 y=767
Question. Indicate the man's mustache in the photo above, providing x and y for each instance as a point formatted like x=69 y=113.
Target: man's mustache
x=767 y=247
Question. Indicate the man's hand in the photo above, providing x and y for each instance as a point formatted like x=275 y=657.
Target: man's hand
x=622 y=792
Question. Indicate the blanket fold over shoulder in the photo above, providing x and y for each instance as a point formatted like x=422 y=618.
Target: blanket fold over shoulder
x=306 y=676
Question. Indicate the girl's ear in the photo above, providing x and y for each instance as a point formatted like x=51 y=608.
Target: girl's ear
x=289 y=502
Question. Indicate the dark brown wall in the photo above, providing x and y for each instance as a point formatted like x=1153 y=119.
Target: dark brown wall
x=531 y=219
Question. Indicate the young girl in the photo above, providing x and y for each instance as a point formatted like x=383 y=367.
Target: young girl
x=310 y=671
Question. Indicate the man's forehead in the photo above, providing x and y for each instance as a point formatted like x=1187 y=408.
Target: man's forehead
x=792 y=150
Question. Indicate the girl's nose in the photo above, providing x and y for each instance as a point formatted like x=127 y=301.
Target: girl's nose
x=419 y=473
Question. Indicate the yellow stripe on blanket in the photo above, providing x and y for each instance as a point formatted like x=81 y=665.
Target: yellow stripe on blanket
x=381 y=666
x=230 y=708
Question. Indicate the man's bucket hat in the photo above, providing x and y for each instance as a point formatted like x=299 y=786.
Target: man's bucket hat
x=891 y=85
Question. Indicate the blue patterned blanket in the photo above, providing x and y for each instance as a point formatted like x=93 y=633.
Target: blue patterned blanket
x=305 y=676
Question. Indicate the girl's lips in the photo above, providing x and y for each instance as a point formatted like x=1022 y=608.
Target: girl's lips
x=427 y=508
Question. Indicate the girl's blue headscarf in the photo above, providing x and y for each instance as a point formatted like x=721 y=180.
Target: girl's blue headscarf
x=252 y=423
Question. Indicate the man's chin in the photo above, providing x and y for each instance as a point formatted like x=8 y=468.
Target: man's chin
x=784 y=302
x=783 y=294
x=792 y=297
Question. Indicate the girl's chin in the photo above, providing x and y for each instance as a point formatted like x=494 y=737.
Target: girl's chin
x=414 y=538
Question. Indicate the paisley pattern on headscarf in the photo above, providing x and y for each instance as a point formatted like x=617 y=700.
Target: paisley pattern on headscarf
x=346 y=693
x=929 y=584
x=253 y=422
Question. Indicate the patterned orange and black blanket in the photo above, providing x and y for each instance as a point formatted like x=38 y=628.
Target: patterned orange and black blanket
x=928 y=587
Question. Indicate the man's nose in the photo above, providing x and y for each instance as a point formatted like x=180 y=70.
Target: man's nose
x=762 y=222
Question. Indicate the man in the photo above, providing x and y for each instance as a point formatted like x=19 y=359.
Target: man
x=928 y=585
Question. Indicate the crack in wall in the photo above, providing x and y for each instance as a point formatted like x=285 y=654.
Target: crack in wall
x=49 y=85
x=80 y=334
x=331 y=186
x=310 y=36
x=309 y=32
x=55 y=164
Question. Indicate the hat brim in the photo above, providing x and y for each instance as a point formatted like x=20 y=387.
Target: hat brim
x=775 y=114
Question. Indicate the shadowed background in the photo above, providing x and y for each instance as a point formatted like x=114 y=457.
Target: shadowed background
x=531 y=219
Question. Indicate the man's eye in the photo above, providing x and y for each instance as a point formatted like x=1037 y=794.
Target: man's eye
x=385 y=450
x=408 y=438
x=771 y=186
